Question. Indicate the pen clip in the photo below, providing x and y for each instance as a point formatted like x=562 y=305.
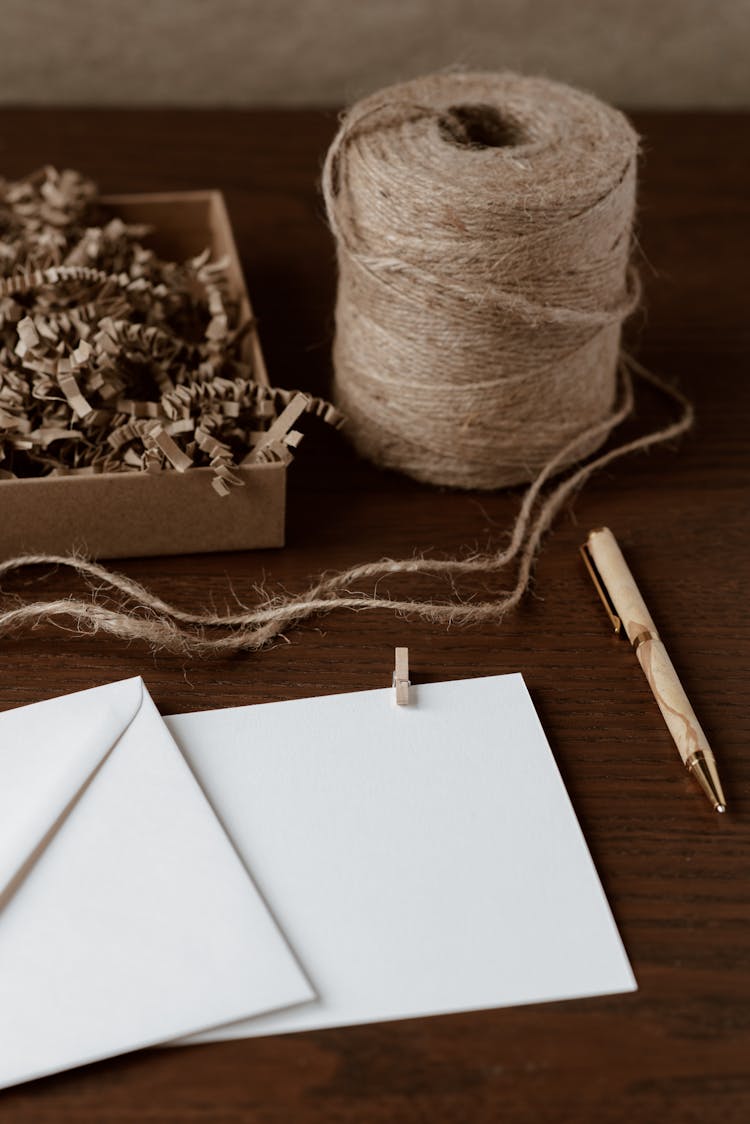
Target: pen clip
x=601 y=588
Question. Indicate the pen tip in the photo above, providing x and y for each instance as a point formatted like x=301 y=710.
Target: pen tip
x=703 y=767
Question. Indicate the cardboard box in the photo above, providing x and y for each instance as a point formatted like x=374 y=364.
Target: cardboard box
x=128 y=514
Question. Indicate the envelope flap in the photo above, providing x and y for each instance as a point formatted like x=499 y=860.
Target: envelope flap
x=48 y=753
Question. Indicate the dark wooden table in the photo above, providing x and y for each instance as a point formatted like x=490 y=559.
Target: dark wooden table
x=677 y=875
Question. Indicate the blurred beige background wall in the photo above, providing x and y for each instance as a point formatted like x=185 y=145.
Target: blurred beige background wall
x=326 y=52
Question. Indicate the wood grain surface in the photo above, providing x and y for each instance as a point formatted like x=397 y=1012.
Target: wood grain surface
x=677 y=875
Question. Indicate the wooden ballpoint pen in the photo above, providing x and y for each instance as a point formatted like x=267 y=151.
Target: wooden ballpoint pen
x=627 y=610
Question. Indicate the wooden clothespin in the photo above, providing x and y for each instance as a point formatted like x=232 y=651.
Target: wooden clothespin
x=401 y=682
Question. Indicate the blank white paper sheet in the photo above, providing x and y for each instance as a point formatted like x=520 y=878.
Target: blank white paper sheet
x=419 y=859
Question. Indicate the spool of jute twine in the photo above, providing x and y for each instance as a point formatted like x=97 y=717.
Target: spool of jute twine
x=484 y=229
x=483 y=226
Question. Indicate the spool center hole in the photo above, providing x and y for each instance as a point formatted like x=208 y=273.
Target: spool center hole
x=479 y=126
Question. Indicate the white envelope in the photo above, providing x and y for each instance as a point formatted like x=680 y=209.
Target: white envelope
x=126 y=916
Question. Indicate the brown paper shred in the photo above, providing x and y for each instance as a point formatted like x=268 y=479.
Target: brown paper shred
x=272 y=443
x=114 y=360
x=45 y=437
x=272 y=451
x=185 y=425
x=138 y=409
x=169 y=448
x=70 y=388
x=8 y=421
x=219 y=486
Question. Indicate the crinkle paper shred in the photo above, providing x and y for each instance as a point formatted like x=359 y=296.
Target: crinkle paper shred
x=111 y=359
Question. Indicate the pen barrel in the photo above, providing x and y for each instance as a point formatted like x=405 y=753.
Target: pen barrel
x=641 y=631
x=671 y=699
x=620 y=583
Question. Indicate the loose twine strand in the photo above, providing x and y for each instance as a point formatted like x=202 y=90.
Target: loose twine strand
x=169 y=628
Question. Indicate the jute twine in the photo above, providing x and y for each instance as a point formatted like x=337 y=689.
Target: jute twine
x=484 y=228
x=483 y=225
